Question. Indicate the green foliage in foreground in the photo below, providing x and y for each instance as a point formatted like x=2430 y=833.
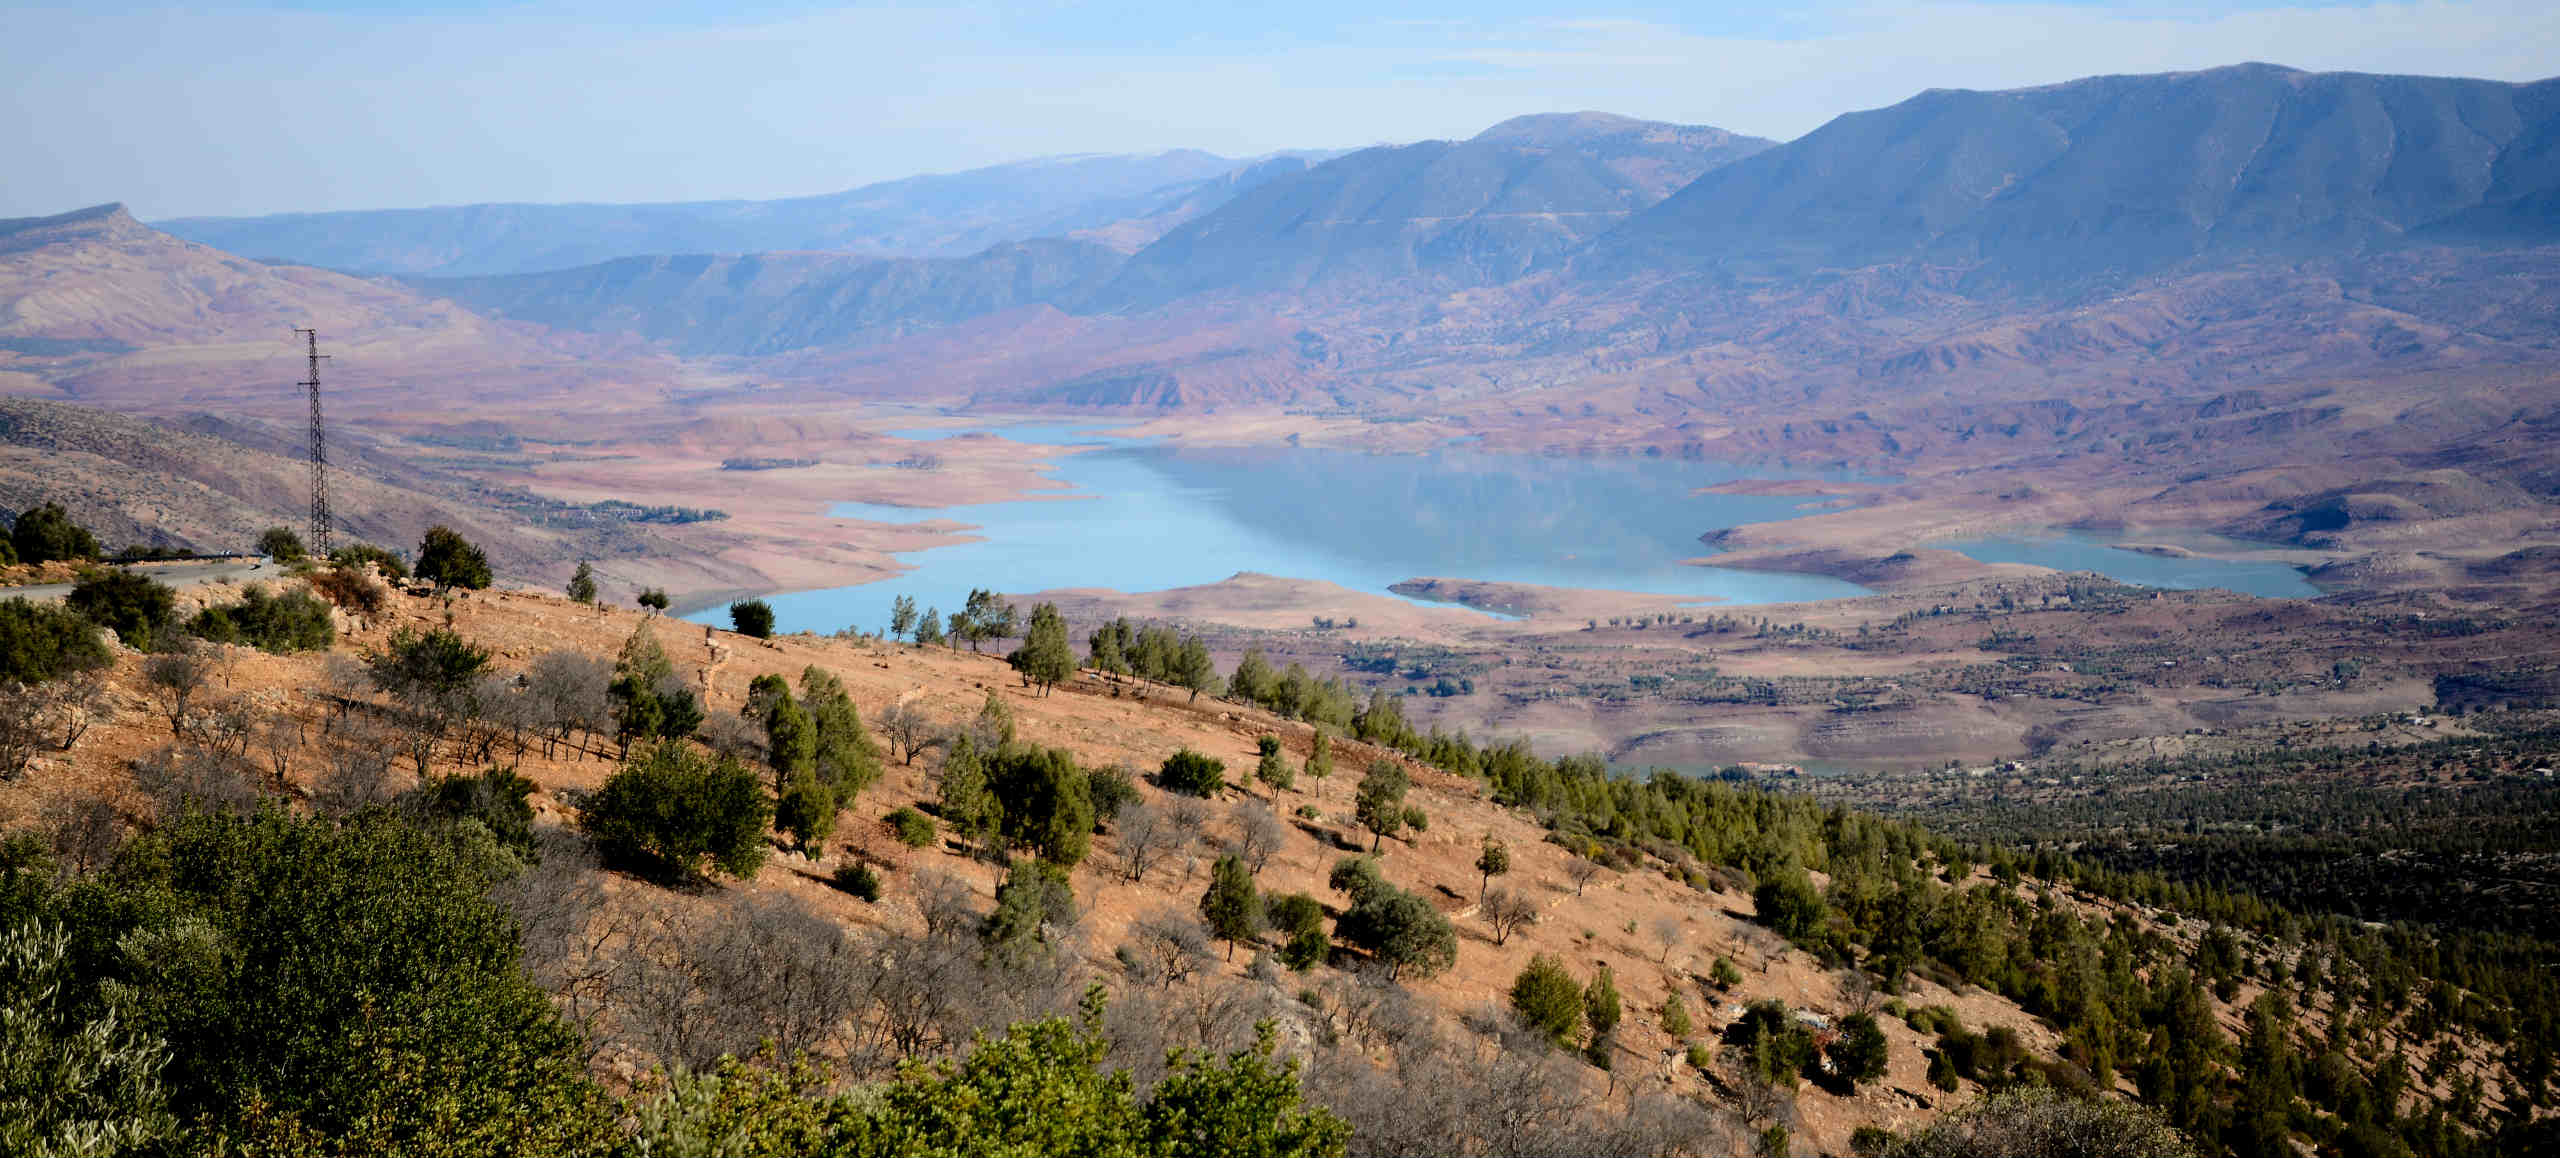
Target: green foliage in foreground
x=137 y=609
x=314 y=986
x=1039 y=1089
x=39 y=641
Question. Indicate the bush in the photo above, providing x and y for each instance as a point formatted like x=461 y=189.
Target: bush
x=1112 y=789
x=914 y=829
x=46 y=534
x=1774 y=1048
x=279 y=624
x=752 y=618
x=497 y=800
x=1860 y=1053
x=1724 y=973
x=2034 y=1122
x=281 y=545
x=357 y=556
x=1601 y=1004
x=1787 y=902
x=333 y=986
x=1871 y=1141
x=1401 y=930
x=1044 y=802
x=653 y=598
x=1299 y=919
x=446 y=559
x=39 y=641
x=859 y=879
x=138 y=610
x=1193 y=774
x=1549 y=1001
x=806 y=812
x=672 y=809
x=361 y=595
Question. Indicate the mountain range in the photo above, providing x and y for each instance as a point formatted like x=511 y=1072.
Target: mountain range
x=2023 y=233
x=2127 y=174
x=949 y=214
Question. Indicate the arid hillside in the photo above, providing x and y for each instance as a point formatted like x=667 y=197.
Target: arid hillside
x=622 y=955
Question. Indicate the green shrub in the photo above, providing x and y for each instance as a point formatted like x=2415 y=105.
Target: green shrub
x=1788 y=903
x=752 y=618
x=1724 y=973
x=332 y=986
x=281 y=545
x=806 y=812
x=1774 y=1047
x=1401 y=930
x=859 y=879
x=446 y=559
x=674 y=810
x=914 y=829
x=653 y=598
x=497 y=799
x=1859 y=1054
x=1193 y=774
x=46 y=534
x=137 y=609
x=1871 y=1141
x=1044 y=802
x=39 y=641
x=1549 y=1000
x=294 y=621
x=1111 y=789
x=355 y=556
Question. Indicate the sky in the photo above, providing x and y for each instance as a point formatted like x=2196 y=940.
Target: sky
x=223 y=108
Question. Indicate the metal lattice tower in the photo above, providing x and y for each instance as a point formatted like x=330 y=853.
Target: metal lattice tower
x=320 y=528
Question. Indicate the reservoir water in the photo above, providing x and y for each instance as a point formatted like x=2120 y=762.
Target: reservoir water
x=1145 y=517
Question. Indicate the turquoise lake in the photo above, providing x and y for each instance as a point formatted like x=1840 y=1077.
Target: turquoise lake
x=1145 y=517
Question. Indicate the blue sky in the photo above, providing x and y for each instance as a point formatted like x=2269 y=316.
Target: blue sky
x=342 y=104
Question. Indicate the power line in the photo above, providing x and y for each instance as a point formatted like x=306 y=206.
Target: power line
x=320 y=528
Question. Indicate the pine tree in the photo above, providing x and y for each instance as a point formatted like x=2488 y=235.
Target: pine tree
x=1045 y=658
x=1600 y=1004
x=1320 y=757
x=446 y=559
x=582 y=585
x=1230 y=907
x=1380 y=805
x=902 y=616
x=929 y=627
x=847 y=761
x=1493 y=860
x=1194 y=669
x=1273 y=770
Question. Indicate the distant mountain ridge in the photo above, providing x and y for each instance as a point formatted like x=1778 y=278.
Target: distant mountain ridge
x=1519 y=195
x=768 y=303
x=946 y=214
x=2124 y=174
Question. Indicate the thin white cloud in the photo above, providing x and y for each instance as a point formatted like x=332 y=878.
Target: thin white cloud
x=199 y=111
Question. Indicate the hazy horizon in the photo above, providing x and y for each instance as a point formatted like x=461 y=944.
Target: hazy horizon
x=317 y=105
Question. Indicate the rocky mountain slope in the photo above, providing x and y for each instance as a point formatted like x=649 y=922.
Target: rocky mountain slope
x=2124 y=174
x=1440 y=213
